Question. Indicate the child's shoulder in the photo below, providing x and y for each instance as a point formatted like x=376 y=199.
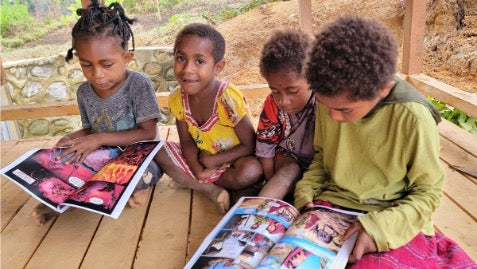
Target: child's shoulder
x=135 y=76
x=228 y=90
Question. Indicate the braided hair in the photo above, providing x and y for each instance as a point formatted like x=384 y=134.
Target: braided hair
x=97 y=20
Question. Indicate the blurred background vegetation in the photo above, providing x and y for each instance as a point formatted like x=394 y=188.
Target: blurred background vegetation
x=23 y=21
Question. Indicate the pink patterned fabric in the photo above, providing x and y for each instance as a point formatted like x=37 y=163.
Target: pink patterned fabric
x=174 y=151
x=423 y=251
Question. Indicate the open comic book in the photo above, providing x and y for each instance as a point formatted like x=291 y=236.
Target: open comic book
x=264 y=233
x=103 y=183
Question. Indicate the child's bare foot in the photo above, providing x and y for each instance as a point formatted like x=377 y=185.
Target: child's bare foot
x=219 y=196
x=138 y=198
x=42 y=214
x=223 y=201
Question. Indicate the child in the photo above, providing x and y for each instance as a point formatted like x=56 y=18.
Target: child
x=215 y=131
x=377 y=149
x=287 y=122
x=117 y=106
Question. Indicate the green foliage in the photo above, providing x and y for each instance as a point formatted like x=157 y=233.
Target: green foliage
x=165 y=4
x=13 y=15
x=456 y=116
x=228 y=12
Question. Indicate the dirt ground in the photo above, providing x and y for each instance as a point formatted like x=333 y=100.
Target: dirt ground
x=450 y=55
x=450 y=45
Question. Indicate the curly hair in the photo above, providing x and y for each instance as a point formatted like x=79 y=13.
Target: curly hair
x=99 y=21
x=352 y=55
x=204 y=31
x=285 y=50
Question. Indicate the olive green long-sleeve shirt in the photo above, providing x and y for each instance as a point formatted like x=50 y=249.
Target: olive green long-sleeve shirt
x=386 y=164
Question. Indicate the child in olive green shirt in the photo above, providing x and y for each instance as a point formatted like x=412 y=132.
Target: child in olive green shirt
x=376 y=149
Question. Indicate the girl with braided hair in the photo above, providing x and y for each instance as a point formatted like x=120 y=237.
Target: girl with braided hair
x=117 y=106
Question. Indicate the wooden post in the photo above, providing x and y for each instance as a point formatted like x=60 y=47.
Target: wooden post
x=414 y=30
x=304 y=11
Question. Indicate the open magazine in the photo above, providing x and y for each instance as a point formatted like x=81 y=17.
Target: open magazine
x=267 y=233
x=103 y=183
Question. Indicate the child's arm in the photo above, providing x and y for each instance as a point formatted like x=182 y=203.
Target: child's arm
x=83 y=145
x=246 y=135
x=311 y=183
x=67 y=140
x=191 y=152
x=268 y=167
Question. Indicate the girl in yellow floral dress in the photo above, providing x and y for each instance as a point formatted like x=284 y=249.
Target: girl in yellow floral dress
x=217 y=138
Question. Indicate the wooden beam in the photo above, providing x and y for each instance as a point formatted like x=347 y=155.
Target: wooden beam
x=70 y=108
x=414 y=30
x=445 y=93
x=304 y=11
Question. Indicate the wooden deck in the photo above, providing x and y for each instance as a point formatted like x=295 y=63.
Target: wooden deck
x=167 y=231
x=162 y=234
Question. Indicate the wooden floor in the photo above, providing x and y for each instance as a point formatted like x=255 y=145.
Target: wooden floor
x=166 y=232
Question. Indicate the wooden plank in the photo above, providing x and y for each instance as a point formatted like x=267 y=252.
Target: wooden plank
x=459 y=160
x=164 y=238
x=460 y=227
x=205 y=216
x=414 y=30
x=13 y=197
x=463 y=139
x=306 y=19
x=255 y=91
x=53 y=109
x=67 y=241
x=460 y=190
x=21 y=238
x=69 y=108
x=428 y=86
x=115 y=242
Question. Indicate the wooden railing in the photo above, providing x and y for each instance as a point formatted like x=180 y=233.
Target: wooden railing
x=428 y=86
x=70 y=108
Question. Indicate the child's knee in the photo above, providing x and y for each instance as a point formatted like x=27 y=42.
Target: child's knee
x=250 y=170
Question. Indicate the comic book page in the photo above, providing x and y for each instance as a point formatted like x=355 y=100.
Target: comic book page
x=314 y=240
x=102 y=183
x=51 y=181
x=108 y=191
x=245 y=234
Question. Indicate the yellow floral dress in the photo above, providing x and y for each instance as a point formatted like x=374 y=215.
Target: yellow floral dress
x=217 y=134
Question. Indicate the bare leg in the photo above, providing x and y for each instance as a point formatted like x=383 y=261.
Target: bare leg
x=42 y=214
x=287 y=172
x=217 y=194
x=245 y=172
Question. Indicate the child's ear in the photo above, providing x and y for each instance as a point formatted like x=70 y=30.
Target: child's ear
x=219 y=66
x=386 y=89
x=128 y=56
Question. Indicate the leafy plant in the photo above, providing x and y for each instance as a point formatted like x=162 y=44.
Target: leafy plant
x=13 y=14
x=456 y=116
x=229 y=12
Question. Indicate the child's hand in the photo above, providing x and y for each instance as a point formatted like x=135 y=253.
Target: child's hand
x=364 y=243
x=80 y=147
x=204 y=174
x=205 y=158
x=306 y=207
x=65 y=141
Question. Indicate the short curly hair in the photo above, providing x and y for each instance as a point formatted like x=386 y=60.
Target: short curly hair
x=285 y=50
x=352 y=55
x=204 y=31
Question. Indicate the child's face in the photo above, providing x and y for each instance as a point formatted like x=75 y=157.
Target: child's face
x=194 y=67
x=290 y=90
x=342 y=109
x=104 y=63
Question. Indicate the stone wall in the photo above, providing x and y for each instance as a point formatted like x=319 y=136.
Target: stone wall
x=52 y=79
